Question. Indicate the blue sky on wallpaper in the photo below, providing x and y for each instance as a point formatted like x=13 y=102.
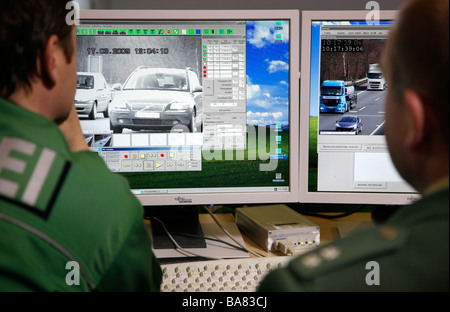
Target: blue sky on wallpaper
x=267 y=72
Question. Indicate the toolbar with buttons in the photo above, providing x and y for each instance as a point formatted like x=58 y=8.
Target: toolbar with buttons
x=152 y=159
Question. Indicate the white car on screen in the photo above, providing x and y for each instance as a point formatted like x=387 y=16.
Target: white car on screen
x=158 y=99
x=93 y=95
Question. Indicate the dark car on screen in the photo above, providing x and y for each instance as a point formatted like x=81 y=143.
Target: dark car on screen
x=349 y=124
x=158 y=99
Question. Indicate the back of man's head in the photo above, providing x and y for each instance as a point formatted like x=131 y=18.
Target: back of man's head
x=420 y=56
x=25 y=27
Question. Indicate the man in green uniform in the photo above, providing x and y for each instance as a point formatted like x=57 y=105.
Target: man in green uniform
x=66 y=222
x=409 y=252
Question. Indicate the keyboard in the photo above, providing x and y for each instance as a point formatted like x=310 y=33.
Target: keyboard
x=231 y=275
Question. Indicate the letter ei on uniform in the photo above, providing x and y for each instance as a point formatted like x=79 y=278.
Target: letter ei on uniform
x=29 y=174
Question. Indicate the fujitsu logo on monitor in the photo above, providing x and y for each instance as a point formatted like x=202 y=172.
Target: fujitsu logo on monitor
x=412 y=199
x=183 y=200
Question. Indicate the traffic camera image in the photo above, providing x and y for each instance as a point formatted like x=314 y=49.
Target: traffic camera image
x=352 y=84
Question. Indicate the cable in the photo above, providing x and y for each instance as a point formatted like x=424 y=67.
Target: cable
x=207 y=238
x=179 y=248
x=211 y=239
x=231 y=236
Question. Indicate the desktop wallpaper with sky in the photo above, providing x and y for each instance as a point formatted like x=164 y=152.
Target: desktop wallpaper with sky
x=268 y=72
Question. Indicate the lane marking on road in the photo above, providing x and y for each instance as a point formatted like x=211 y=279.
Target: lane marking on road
x=378 y=128
x=362 y=108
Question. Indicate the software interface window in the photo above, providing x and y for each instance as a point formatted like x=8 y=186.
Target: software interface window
x=348 y=150
x=187 y=106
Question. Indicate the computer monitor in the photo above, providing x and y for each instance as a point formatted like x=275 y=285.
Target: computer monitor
x=193 y=107
x=344 y=157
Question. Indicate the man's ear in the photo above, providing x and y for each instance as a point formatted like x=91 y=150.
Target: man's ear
x=50 y=61
x=416 y=119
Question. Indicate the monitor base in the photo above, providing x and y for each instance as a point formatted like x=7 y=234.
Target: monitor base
x=181 y=222
x=382 y=213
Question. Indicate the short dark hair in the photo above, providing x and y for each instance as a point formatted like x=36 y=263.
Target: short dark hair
x=25 y=28
x=420 y=55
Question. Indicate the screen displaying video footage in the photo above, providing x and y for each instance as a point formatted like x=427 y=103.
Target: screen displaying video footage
x=193 y=105
x=348 y=150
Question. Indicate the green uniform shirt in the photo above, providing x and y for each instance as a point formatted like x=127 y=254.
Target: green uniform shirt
x=66 y=222
x=407 y=253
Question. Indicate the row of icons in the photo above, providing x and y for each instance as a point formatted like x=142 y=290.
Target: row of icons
x=161 y=165
x=155 y=155
x=124 y=161
x=117 y=156
x=153 y=32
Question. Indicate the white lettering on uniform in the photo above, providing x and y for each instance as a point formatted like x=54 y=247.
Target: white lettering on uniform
x=34 y=186
x=9 y=188
x=38 y=177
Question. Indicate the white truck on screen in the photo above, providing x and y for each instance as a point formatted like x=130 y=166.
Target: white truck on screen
x=375 y=77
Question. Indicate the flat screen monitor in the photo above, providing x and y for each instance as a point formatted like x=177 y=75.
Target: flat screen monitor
x=344 y=157
x=193 y=107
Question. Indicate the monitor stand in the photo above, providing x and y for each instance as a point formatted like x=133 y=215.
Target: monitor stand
x=381 y=213
x=183 y=224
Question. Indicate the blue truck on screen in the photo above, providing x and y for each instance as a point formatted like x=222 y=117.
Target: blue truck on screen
x=337 y=96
